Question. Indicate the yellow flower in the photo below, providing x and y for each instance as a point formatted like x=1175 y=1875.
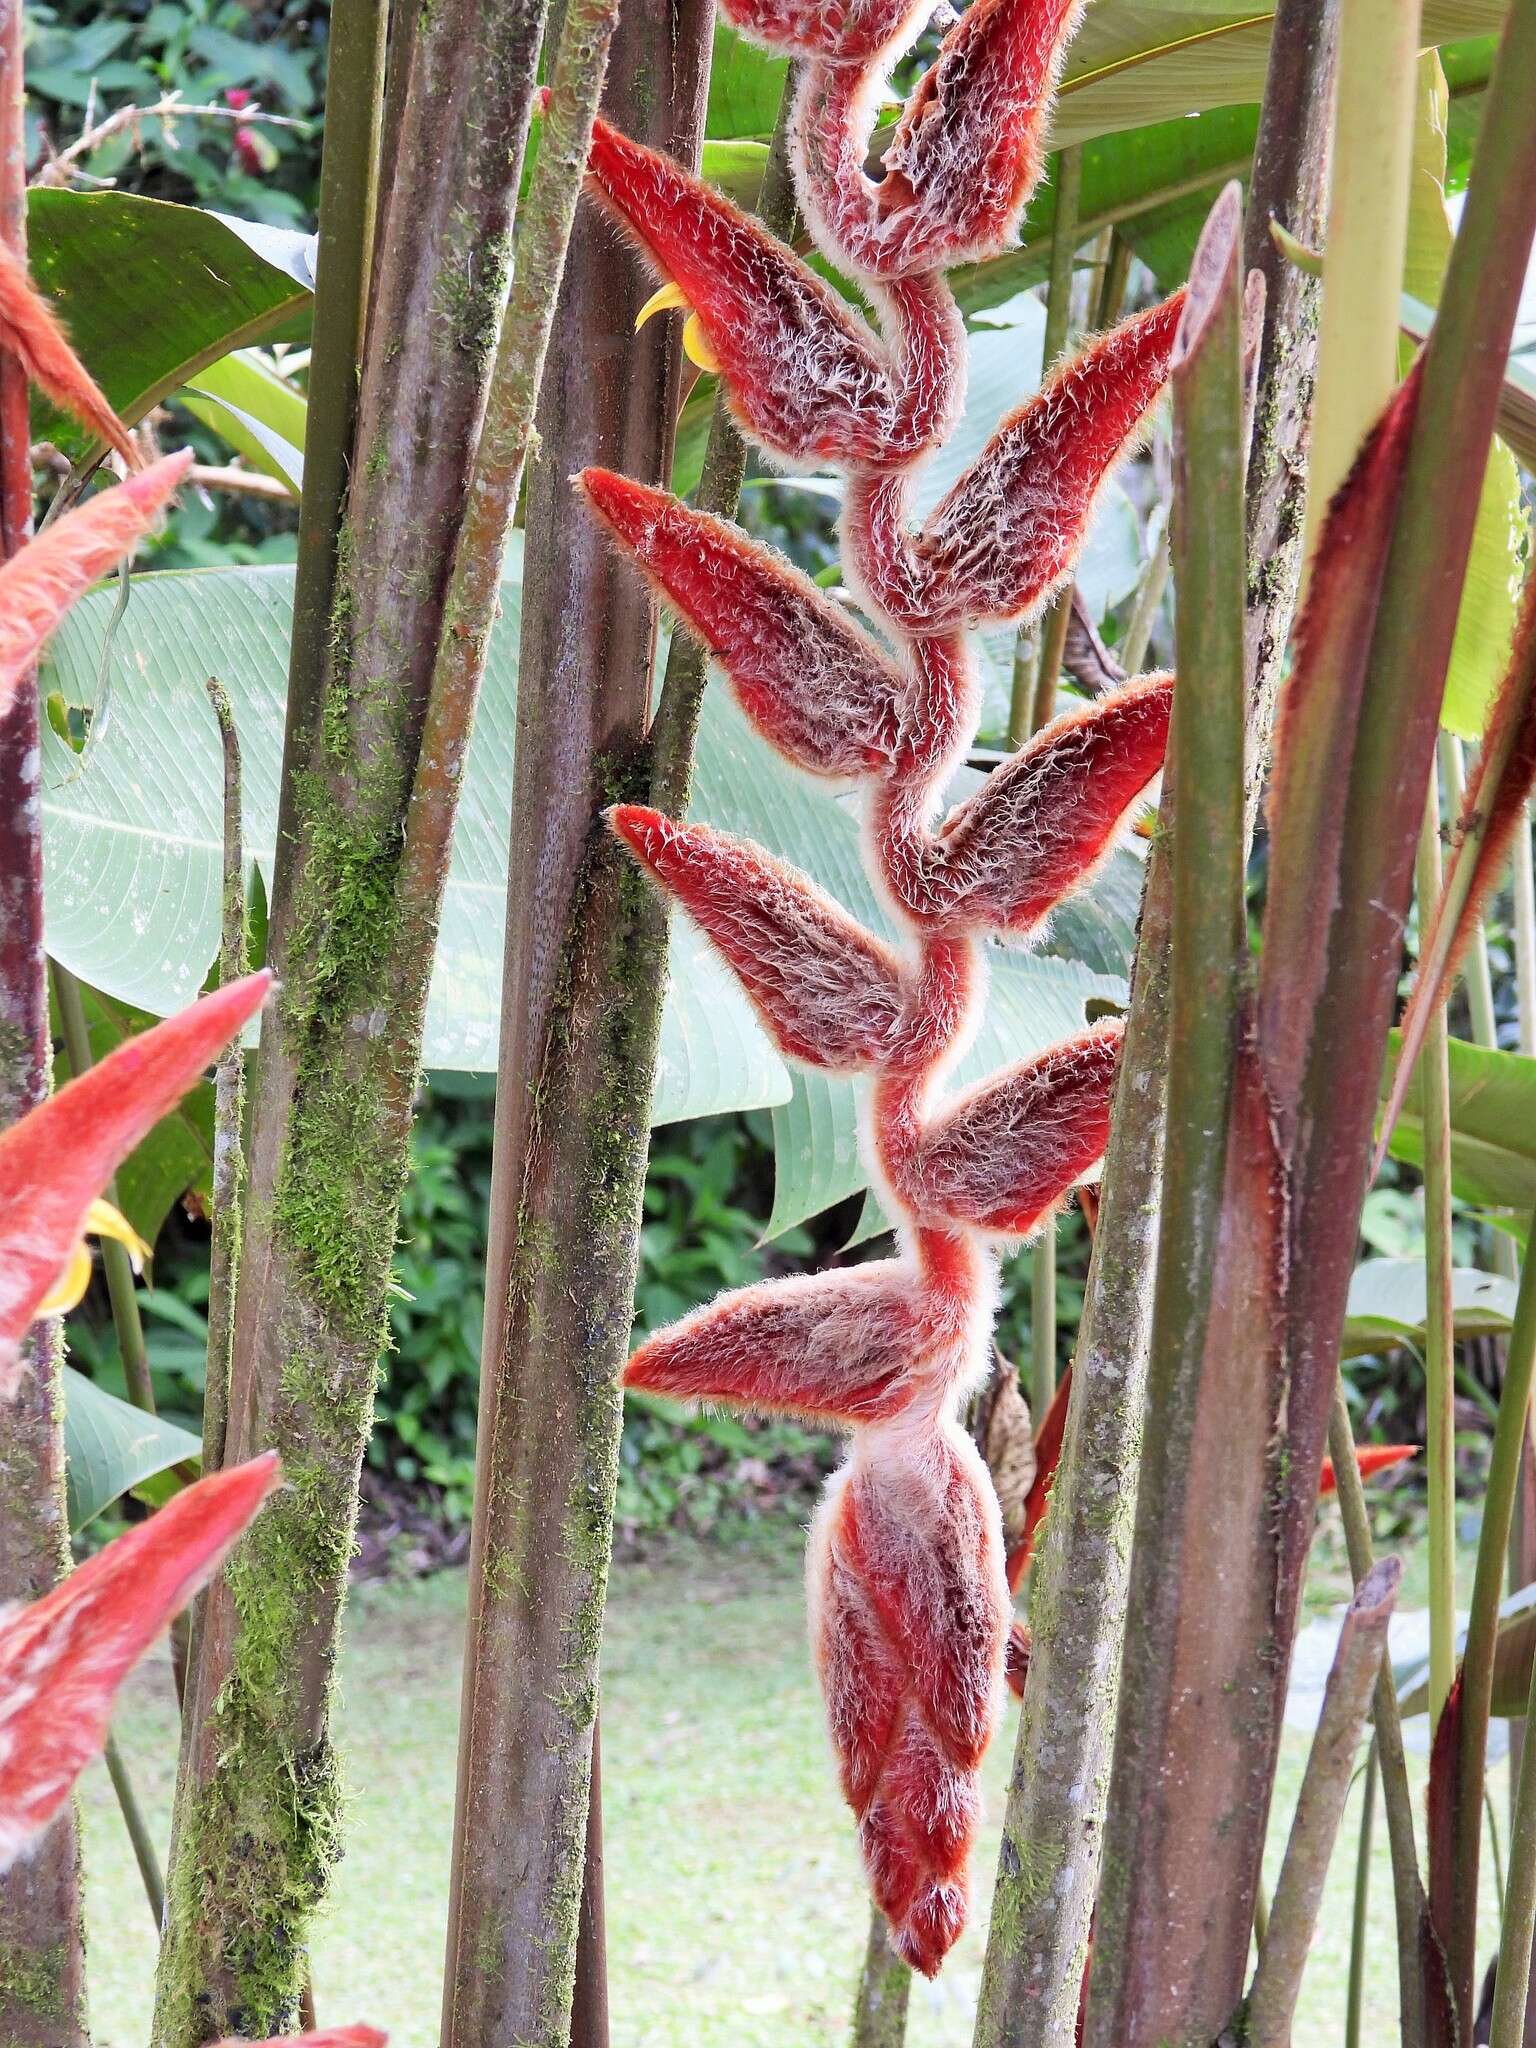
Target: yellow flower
x=102 y=1220
x=695 y=343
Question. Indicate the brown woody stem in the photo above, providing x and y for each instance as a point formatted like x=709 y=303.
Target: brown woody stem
x=1357 y=1662
x=580 y=1011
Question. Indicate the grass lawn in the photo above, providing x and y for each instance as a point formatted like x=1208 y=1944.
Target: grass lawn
x=736 y=1914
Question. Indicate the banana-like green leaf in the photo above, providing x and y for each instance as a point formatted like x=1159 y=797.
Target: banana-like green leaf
x=132 y=828
x=153 y=293
x=1388 y=1303
x=745 y=87
x=112 y=1448
x=256 y=410
x=1493 y=1125
x=1135 y=61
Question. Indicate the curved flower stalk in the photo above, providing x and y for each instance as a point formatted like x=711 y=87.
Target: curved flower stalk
x=907 y=1576
x=63 y=1657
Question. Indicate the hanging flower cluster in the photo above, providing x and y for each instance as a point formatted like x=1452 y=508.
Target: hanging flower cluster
x=908 y=1589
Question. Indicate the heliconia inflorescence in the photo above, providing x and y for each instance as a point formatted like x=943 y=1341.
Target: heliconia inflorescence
x=908 y=1588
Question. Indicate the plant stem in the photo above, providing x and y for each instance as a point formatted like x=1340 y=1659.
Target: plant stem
x=1357 y=1661
x=138 y=1831
x=1034 y=698
x=1149 y=595
x=42 y=1988
x=581 y=998
x=1518 y=1929
x=1209 y=1094
x=885 y=1986
x=1439 y=1361
x=1366 y=233
x=228 y=1188
x=1360 y=1921
x=1483 y=1627
x=1392 y=1758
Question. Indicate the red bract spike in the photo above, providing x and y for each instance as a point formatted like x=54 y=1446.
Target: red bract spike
x=1039 y=826
x=849 y=1347
x=816 y=686
x=846 y=32
x=63 y=1658
x=966 y=154
x=1371 y=1458
x=806 y=377
x=910 y=1624
x=328 y=2037
x=43 y=579
x=1493 y=806
x=828 y=992
x=30 y=330
x=59 y=1156
x=1048 y=1441
x=1010 y=529
x=1004 y=1156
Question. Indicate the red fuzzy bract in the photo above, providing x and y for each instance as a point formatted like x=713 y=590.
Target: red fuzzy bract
x=59 y=1157
x=1003 y=1156
x=827 y=990
x=816 y=686
x=907 y=1577
x=966 y=154
x=1009 y=531
x=848 y=31
x=63 y=1658
x=910 y=1621
x=807 y=377
x=40 y=582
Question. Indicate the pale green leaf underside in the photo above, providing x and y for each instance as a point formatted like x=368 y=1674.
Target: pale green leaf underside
x=111 y=1447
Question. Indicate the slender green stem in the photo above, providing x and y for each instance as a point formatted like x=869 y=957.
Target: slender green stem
x=1483 y=1619
x=1149 y=595
x=1360 y=1920
x=1034 y=697
x=228 y=1188
x=1518 y=1927
x=1494 y=1844
x=144 y=1852
x=1439 y=1376
x=1392 y=1759
x=1357 y=1663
